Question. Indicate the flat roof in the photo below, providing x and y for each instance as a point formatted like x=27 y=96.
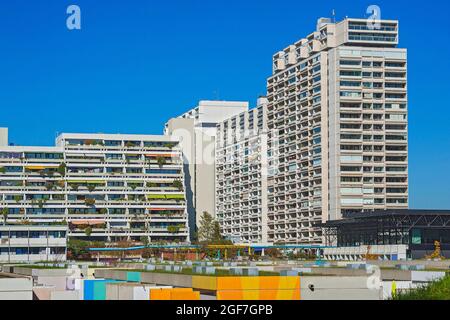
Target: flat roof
x=357 y=217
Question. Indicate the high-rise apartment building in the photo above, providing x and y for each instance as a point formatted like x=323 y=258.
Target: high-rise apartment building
x=241 y=175
x=338 y=101
x=197 y=130
x=106 y=187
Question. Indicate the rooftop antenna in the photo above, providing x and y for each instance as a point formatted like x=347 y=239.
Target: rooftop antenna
x=334 y=16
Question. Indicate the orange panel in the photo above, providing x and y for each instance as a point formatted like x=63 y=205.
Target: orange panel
x=158 y=294
x=179 y=290
x=270 y=283
x=229 y=283
x=194 y=295
x=230 y=295
x=270 y=295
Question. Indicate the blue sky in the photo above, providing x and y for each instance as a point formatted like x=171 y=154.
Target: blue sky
x=136 y=63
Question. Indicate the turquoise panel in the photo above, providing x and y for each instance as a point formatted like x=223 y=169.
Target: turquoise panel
x=133 y=276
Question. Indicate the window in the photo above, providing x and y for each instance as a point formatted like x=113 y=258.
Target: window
x=350 y=94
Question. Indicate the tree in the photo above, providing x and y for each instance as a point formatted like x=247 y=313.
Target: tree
x=209 y=230
x=161 y=161
x=5 y=212
x=145 y=241
x=62 y=169
x=89 y=201
x=178 y=184
x=88 y=231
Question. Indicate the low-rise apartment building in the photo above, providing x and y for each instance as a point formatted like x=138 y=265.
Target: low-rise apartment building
x=32 y=243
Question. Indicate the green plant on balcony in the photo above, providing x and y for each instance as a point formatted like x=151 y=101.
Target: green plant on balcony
x=88 y=231
x=2 y=170
x=25 y=222
x=74 y=187
x=169 y=145
x=90 y=142
x=49 y=186
x=91 y=187
x=89 y=201
x=152 y=185
x=18 y=198
x=5 y=213
x=133 y=186
x=173 y=229
x=178 y=185
x=161 y=161
x=62 y=169
x=40 y=203
x=130 y=144
x=61 y=184
x=103 y=211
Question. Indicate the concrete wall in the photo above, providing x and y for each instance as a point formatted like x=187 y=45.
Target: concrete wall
x=16 y=288
x=65 y=295
x=338 y=288
x=165 y=279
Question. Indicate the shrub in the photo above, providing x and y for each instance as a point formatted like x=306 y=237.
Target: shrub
x=161 y=161
x=178 y=184
x=438 y=290
x=62 y=169
x=89 y=201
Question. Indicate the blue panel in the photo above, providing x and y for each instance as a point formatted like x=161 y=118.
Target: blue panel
x=88 y=290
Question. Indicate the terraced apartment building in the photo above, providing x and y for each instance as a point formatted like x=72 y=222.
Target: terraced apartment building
x=106 y=187
x=338 y=101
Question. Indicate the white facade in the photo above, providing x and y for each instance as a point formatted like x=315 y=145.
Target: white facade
x=241 y=176
x=197 y=132
x=106 y=187
x=338 y=101
x=22 y=243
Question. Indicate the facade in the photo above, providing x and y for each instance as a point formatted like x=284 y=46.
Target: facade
x=25 y=243
x=241 y=176
x=338 y=100
x=105 y=187
x=197 y=131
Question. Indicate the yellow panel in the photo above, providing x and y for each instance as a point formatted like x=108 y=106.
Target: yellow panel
x=251 y=283
x=204 y=283
x=250 y=294
x=275 y=283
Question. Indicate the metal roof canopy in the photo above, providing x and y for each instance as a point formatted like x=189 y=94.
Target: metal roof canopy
x=384 y=227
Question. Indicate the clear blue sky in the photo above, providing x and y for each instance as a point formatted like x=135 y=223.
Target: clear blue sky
x=136 y=63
